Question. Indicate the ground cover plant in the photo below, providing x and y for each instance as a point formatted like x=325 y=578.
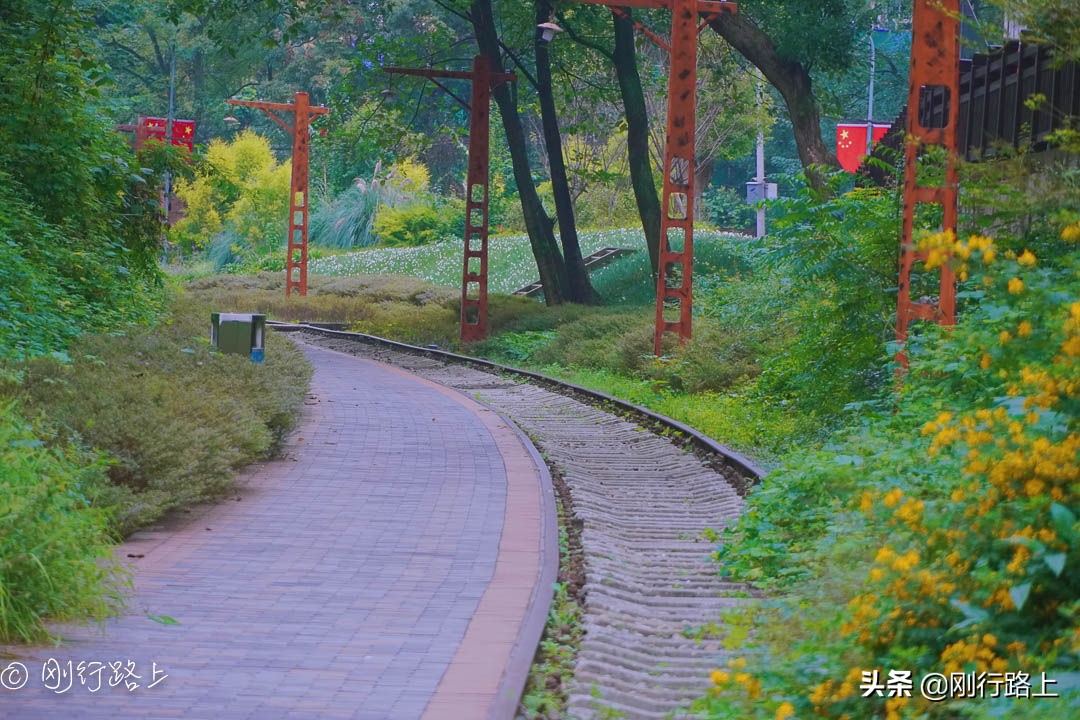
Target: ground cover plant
x=172 y=418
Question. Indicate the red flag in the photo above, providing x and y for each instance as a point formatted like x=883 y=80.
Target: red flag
x=183 y=131
x=850 y=146
x=851 y=143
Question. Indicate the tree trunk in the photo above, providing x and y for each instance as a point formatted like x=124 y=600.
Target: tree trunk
x=539 y=226
x=637 y=136
x=580 y=290
x=791 y=80
x=703 y=172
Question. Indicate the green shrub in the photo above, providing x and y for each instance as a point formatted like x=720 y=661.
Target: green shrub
x=942 y=535
x=725 y=207
x=410 y=225
x=240 y=192
x=176 y=418
x=346 y=221
x=55 y=560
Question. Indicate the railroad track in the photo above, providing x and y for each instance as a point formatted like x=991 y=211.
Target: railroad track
x=645 y=491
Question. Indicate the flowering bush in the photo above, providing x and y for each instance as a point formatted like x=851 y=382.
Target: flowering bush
x=943 y=536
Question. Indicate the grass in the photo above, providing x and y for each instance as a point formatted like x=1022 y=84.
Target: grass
x=54 y=543
x=510 y=259
x=607 y=347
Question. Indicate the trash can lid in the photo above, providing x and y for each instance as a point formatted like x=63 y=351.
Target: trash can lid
x=234 y=317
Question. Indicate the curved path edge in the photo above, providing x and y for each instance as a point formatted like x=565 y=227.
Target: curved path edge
x=529 y=518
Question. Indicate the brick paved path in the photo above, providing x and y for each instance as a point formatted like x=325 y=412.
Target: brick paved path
x=396 y=565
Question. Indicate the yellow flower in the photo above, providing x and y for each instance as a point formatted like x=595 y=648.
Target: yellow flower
x=1071 y=233
x=984 y=363
x=1027 y=259
x=1024 y=329
x=1004 y=337
x=866 y=502
x=892 y=498
x=1016 y=286
x=718 y=677
x=988 y=255
x=784 y=711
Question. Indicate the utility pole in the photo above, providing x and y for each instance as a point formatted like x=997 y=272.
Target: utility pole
x=674 y=280
x=935 y=74
x=296 y=260
x=474 y=274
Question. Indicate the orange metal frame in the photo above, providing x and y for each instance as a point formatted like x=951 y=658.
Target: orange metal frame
x=296 y=261
x=674 y=281
x=935 y=66
x=474 y=275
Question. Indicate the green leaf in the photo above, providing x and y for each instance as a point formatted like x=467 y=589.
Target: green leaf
x=1056 y=562
x=971 y=613
x=1019 y=595
x=1064 y=520
x=164 y=619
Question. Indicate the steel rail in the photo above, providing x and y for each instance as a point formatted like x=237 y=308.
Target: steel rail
x=749 y=472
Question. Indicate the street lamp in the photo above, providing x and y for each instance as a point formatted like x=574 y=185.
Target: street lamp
x=870 y=100
x=548 y=31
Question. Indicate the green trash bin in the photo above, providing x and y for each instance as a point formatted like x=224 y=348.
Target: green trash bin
x=239 y=333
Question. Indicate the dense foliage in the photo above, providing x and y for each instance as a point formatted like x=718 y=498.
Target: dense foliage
x=54 y=546
x=78 y=216
x=941 y=537
x=174 y=418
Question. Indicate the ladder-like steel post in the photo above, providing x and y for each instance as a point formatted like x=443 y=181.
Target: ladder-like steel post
x=674 y=277
x=935 y=75
x=474 y=273
x=296 y=260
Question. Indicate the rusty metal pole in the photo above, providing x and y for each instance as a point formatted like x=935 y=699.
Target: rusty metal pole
x=474 y=274
x=935 y=73
x=674 y=281
x=296 y=260
x=474 y=278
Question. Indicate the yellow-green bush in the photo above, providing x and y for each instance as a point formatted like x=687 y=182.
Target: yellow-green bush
x=239 y=188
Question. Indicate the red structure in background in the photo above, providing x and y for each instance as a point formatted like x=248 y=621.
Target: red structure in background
x=474 y=277
x=674 y=281
x=296 y=261
x=183 y=131
x=154 y=128
x=935 y=72
x=851 y=143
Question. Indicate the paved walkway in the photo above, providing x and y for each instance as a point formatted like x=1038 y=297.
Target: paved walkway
x=397 y=564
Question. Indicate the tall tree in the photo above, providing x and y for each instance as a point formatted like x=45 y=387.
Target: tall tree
x=540 y=227
x=637 y=134
x=578 y=286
